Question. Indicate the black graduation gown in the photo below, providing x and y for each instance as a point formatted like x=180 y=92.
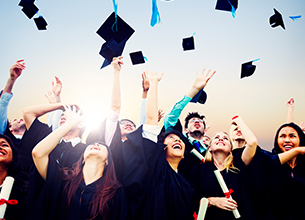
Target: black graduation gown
x=279 y=189
x=205 y=184
x=64 y=152
x=16 y=212
x=51 y=201
x=155 y=190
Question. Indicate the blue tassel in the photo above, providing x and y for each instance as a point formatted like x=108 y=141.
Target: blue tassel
x=115 y=24
x=155 y=17
x=233 y=10
x=295 y=18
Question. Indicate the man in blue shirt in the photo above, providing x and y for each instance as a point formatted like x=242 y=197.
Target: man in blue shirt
x=194 y=127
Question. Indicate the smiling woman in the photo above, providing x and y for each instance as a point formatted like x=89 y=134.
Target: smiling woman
x=10 y=166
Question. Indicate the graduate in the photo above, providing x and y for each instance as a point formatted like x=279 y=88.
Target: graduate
x=233 y=169
x=10 y=166
x=288 y=176
x=155 y=189
x=89 y=190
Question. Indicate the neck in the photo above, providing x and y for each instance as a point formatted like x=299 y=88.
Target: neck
x=174 y=162
x=239 y=143
x=92 y=170
x=18 y=132
x=124 y=138
x=218 y=159
x=71 y=135
x=197 y=135
x=293 y=162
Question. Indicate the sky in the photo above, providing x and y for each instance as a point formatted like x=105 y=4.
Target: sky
x=69 y=49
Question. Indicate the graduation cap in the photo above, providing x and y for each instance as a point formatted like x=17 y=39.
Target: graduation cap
x=200 y=97
x=25 y=3
x=41 y=23
x=111 y=49
x=247 y=69
x=188 y=43
x=116 y=28
x=227 y=5
x=115 y=31
x=137 y=57
x=29 y=9
x=276 y=20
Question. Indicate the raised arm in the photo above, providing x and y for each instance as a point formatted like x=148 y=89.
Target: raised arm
x=6 y=95
x=15 y=71
x=249 y=137
x=290 y=105
x=116 y=89
x=42 y=150
x=201 y=80
x=142 y=112
x=288 y=155
x=54 y=97
x=152 y=101
x=32 y=112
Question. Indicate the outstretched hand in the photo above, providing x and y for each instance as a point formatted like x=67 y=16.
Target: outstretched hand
x=16 y=69
x=73 y=115
x=56 y=86
x=154 y=76
x=201 y=80
x=50 y=96
x=160 y=114
x=290 y=103
x=117 y=63
x=145 y=82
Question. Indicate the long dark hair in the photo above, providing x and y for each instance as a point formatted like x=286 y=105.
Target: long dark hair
x=276 y=149
x=14 y=169
x=106 y=188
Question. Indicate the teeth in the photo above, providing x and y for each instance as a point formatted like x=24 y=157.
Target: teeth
x=177 y=146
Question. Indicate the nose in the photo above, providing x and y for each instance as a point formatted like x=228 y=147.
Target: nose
x=177 y=140
x=287 y=139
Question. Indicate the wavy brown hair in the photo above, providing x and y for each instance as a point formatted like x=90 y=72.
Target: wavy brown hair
x=106 y=188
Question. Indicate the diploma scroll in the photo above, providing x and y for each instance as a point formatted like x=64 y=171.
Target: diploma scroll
x=197 y=154
x=225 y=190
x=5 y=193
x=204 y=202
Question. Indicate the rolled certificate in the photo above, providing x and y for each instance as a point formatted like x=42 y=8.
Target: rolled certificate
x=225 y=190
x=197 y=154
x=203 y=208
x=5 y=193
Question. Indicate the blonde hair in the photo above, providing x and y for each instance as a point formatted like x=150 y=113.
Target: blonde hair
x=228 y=162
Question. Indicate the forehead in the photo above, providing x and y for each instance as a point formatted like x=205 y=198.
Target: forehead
x=221 y=134
x=3 y=141
x=172 y=135
x=288 y=129
x=194 y=118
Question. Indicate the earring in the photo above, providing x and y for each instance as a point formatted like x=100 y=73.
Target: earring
x=106 y=163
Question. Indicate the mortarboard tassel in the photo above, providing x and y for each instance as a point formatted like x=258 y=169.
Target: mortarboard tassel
x=155 y=17
x=233 y=10
x=295 y=18
x=115 y=24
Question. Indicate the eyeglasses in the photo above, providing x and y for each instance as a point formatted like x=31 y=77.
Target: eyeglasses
x=127 y=123
x=196 y=120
